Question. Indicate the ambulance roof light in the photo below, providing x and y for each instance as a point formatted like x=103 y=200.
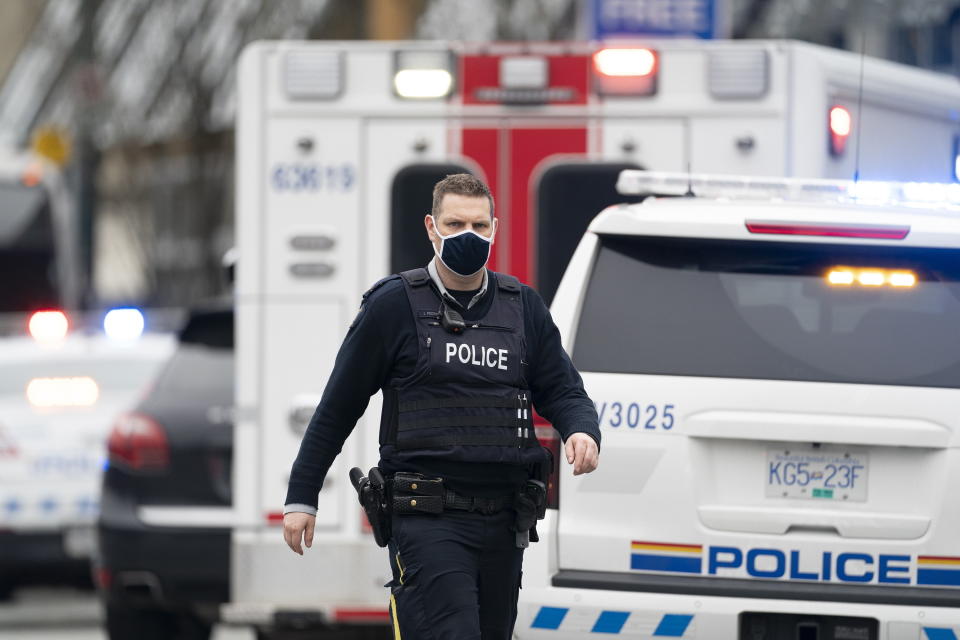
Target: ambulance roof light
x=841 y=124
x=421 y=75
x=840 y=121
x=625 y=71
x=313 y=75
x=915 y=194
x=625 y=62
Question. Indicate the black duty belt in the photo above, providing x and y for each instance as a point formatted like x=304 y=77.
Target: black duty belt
x=414 y=493
x=485 y=506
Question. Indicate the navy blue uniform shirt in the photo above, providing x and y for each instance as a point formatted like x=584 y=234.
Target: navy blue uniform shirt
x=382 y=344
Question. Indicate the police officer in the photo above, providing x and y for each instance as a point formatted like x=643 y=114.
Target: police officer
x=462 y=355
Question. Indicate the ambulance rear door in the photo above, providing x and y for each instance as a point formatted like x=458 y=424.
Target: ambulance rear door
x=300 y=230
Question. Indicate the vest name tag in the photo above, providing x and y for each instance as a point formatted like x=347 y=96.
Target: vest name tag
x=479 y=356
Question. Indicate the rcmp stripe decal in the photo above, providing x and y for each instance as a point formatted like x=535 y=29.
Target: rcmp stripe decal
x=941 y=571
x=667 y=546
x=666 y=556
x=13 y=508
x=645 y=562
x=549 y=618
x=939 y=577
x=645 y=624
x=610 y=622
x=935 y=633
x=673 y=626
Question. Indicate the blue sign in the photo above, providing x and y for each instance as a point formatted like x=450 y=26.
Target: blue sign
x=628 y=18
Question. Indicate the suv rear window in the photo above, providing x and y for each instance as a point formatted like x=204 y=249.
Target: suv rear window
x=764 y=310
x=203 y=363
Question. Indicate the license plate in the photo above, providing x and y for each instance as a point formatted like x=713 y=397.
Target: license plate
x=807 y=626
x=832 y=475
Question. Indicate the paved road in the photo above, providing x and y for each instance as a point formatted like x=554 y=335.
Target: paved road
x=68 y=614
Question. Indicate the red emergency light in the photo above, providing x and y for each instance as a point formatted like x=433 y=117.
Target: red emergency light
x=841 y=124
x=625 y=62
x=625 y=71
x=48 y=326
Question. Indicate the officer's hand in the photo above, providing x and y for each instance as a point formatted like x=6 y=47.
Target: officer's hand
x=582 y=453
x=298 y=526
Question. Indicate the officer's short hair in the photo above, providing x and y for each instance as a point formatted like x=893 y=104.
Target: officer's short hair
x=461 y=184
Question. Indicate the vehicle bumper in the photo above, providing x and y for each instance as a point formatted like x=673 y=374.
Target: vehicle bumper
x=166 y=566
x=560 y=604
x=170 y=566
x=39 y=557
x=340 y=579
x=564 y=612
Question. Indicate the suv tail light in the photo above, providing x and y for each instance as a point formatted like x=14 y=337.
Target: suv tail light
x=139 y=443
x=550 y=439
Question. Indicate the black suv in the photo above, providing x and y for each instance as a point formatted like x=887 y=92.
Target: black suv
x=163 y=560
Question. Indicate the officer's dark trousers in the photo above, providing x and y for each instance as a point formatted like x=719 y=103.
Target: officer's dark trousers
x=455 y=575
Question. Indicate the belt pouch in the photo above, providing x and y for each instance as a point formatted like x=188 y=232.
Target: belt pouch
x=414 y=484
x=417 y=504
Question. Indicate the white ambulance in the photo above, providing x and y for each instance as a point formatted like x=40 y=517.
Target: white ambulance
x=776 y=368
x=340 y=143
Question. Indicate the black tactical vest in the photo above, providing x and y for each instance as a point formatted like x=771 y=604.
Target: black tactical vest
x=468 y=399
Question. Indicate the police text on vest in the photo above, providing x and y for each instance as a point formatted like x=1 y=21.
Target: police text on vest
x=480 y=356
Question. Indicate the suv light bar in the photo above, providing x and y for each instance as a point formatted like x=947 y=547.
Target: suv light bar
x=48 y=326
x=915 y=194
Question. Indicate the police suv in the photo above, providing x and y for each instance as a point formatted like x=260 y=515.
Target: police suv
x=62 y=382
x=775 y=365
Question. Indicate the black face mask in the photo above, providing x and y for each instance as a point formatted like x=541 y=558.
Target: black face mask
x=465 y=252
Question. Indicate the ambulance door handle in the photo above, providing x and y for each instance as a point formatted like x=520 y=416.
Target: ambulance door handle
x=302 y=408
